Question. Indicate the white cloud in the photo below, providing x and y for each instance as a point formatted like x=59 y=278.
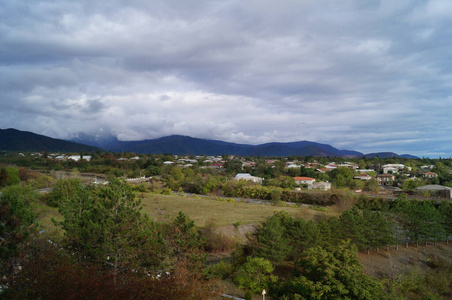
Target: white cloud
x=366 y=75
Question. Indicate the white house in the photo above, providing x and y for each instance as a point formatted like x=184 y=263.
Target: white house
x=323 y=186
x=247 y=176
x=363 y=176
x=395 y=168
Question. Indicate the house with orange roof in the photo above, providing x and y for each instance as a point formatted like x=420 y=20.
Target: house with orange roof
x=303 y=180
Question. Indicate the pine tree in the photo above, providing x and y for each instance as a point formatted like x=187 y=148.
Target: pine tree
x=105 y=226
x=273 y=244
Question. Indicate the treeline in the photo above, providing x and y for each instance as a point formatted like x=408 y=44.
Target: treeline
x=407 y=222
x=105 y=248
x=318 y=260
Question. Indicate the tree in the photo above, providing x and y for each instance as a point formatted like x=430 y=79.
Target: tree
x=106 y=226
x=331 y=273
x=64 y=190
x=445 y=209
x=273 y=243
x=9 y=176
x=16 y=219
x=49 y=272
x=186 y=242
x=377 y=230
x=420 y=220
x=255 y=274
x=342 y=176
x=371 y=185
x=352 y=226
x=303 y=235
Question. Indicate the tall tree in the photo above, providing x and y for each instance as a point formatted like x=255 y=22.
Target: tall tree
x=186 y=242
x=106 y=226
x=273 y=243
x=445 y=209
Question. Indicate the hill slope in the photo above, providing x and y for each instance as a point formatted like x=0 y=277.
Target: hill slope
x=16 y=140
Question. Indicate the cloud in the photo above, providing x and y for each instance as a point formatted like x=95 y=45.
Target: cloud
x=365 y=75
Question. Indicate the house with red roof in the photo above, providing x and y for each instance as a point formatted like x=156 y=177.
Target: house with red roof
x=303 y=180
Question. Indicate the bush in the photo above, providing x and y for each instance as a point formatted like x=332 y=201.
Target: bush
x=221 y=270
x=166 y=191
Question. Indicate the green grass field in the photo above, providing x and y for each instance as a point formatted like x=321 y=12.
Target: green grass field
x=203 y=210
x=219 y=212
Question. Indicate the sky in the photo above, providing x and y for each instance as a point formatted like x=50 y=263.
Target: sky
x=364 y=75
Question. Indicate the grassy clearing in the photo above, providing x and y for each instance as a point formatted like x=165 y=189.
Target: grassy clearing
x=44 y=215
x=203 y=210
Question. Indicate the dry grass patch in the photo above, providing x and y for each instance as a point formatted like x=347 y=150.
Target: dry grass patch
x=205 y=210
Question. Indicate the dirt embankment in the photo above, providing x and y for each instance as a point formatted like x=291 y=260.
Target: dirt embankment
x=392 y=263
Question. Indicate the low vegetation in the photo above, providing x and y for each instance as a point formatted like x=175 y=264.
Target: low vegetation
x=151 y=239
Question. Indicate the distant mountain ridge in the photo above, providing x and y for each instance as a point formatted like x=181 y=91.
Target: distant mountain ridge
x=17 y=140
x=185 y=145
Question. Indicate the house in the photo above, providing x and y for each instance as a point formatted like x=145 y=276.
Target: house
x=293 y=166
x=365 y=170
x=427 y=167
x=331 y=166
x=385 y=178
x=247 y=176
x=323 y=186
x=348 y=165
x=73 y=157
x=303 y=180
x=429 y=175
x=394 y=168
x=363 y=176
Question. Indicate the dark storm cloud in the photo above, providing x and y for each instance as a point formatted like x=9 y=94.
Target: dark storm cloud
x=365 y=75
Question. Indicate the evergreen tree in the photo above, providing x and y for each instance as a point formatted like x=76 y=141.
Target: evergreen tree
x=445 y=209
x=303 y=235
x=273 y=244
x=186 y=242
x=353 y=227
x=377 y=230
x=106 y=226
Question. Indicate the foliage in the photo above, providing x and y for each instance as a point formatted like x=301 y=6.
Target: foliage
x=16 y=221
x=255 y=274
x=186 y=242
x=49 y=272
x=64 y=191
x=433 y=284
x=9 y=176
x=221 y=270
x=272 y=242
x=331 y=273
x=105 y=225
x=419 y=220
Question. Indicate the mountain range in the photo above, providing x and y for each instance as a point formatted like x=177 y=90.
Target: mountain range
x=16 y=140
